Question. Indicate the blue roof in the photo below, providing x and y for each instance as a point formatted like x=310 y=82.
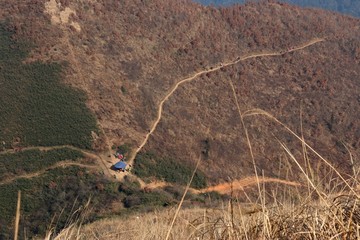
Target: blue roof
x=120 y=164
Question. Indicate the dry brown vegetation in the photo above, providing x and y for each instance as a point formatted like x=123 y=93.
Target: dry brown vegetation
x=126 y=69
x=316 y=213
x=314 y=208
x=127 y=55
x=287 y=222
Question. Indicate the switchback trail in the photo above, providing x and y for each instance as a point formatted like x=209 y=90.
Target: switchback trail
x=106 y=166
x=42 y=171
x=212 y=69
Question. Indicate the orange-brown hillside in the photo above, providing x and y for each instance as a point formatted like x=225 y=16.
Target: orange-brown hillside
x=173 y=80
x=127 y=55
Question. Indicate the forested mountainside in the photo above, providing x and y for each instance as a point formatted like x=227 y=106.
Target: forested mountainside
x=167 y=82
x=350 y=7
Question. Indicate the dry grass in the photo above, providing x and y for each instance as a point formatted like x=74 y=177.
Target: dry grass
x=74 y=224
x=311 y=214
x=17 y=216
x=337 y=218
x=323 y=208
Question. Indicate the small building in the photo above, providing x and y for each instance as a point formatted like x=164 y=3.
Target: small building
x=120 y=166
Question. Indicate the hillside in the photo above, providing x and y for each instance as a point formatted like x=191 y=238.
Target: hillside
x=345 y=7
x=170 y=80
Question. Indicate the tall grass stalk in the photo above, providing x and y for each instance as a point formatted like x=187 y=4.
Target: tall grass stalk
x=249 y=145
x=182 y=199
x=255 y=112
x=17 y=217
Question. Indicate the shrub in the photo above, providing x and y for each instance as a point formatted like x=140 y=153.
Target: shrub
x=129 y=187
x=123 y=90
x=52 y=197
x=141 y=199
x=148 y=165
x=124 y=148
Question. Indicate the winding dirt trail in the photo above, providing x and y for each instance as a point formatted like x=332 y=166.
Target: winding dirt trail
x=245 y=182
x=87 y=153
x=221 y=188
x=41 y=148
x=42 y=171
x=213 y=69
x=225 y=188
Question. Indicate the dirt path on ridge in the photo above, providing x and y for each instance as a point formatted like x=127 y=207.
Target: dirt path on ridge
x=42 y=171
x=87 y=153
x=212 y=69
x=223 y=188
x=61 y=18
x=105 y=165
x=43 y=148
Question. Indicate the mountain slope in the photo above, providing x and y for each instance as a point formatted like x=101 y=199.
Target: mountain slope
x=128 y=57
x=127 y=69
